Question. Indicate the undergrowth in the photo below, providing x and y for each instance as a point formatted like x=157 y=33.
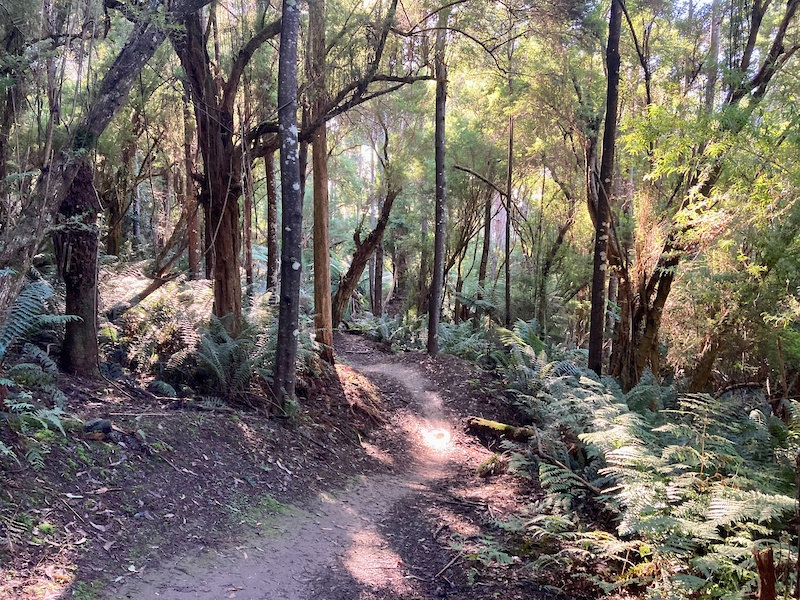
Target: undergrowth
x=31 y=401
x=656 y=492
x=173 y=338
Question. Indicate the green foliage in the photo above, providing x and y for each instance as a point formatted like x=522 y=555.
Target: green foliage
x=161 y=330
x=690 y=483
x=29 y=375
x=403 y=333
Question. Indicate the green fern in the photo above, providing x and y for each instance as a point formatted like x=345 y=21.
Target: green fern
x=24 y=314
x=35 y=453
x=7 y=451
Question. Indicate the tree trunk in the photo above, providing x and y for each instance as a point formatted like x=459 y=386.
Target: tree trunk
x=377 y=299
x=291 y=202
x=485 y=248
x=190 y=205
x=440 y=235
x=222 y=162
x=248 y=223
x=765 y=565
x=422 y=280
x=272 y=221
x=322 y=255
x=509 y=173
x=361 y=256
x=603 y=209
x=41 y=208
x=76 y=244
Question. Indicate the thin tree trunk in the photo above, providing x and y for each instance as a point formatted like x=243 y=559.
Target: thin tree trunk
x=603 y=210
x=485 y=248
x=291 y=203
x=322 y=254
x=272 y=221
x=422 y=281
x=190 y=197
x=248 y=224
x=377 y=300
x=440 y=236
x=509 y=173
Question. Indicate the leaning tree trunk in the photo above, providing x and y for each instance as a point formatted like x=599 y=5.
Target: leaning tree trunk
x=76 y=244
x=39 y=213
x=364 y=251
x=291 y=202
x=440 y=235
x=603 y=209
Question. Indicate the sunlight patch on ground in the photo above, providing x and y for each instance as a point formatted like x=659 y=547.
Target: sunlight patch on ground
x=436 y=439
x=374 y=564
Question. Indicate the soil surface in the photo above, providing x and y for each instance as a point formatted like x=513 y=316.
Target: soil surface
x=371 y=493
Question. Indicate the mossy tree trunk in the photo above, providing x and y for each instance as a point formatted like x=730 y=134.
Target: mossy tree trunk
x=76 y=245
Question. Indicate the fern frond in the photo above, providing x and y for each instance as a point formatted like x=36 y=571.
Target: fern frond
x=8 y=451
x=35 y=453
x=24 y=313
x=34 y=354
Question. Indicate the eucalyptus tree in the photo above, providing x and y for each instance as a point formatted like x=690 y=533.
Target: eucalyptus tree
x=688 y=153
x=31 y=217
x=285 y=377
x=323 y=318
x=440 y=235
x=602 y=210
x=214 y=98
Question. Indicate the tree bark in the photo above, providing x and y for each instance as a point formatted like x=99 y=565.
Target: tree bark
x=285 y=377
x=440 y=235
x=190 y=206
x=603 y=209
x=76 y=242
x=272 y=221
x=485 y=248
x=323 y=320
x=507 y=244
x=765 y=565
x=248 y=223
x=422 y=281
x=213 y=101
x=377 y=298
x=38 y=215
x=361 y=256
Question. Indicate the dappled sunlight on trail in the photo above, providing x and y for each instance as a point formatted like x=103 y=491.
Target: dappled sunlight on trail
x=436 y=439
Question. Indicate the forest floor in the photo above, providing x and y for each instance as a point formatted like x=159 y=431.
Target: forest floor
x=371 y=492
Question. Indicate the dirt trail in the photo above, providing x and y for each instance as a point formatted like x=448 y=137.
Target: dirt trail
x=343 y=545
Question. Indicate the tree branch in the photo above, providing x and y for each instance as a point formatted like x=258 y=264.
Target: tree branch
x=243 y=58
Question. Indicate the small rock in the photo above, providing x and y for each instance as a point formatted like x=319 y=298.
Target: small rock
x=98 y=426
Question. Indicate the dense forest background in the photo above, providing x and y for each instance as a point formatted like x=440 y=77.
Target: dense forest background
x=170 y=115
x=201 y=191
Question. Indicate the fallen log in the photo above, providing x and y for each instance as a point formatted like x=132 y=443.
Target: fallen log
x=478 y=425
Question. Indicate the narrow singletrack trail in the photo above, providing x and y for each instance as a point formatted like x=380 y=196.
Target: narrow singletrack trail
x=380 y=538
